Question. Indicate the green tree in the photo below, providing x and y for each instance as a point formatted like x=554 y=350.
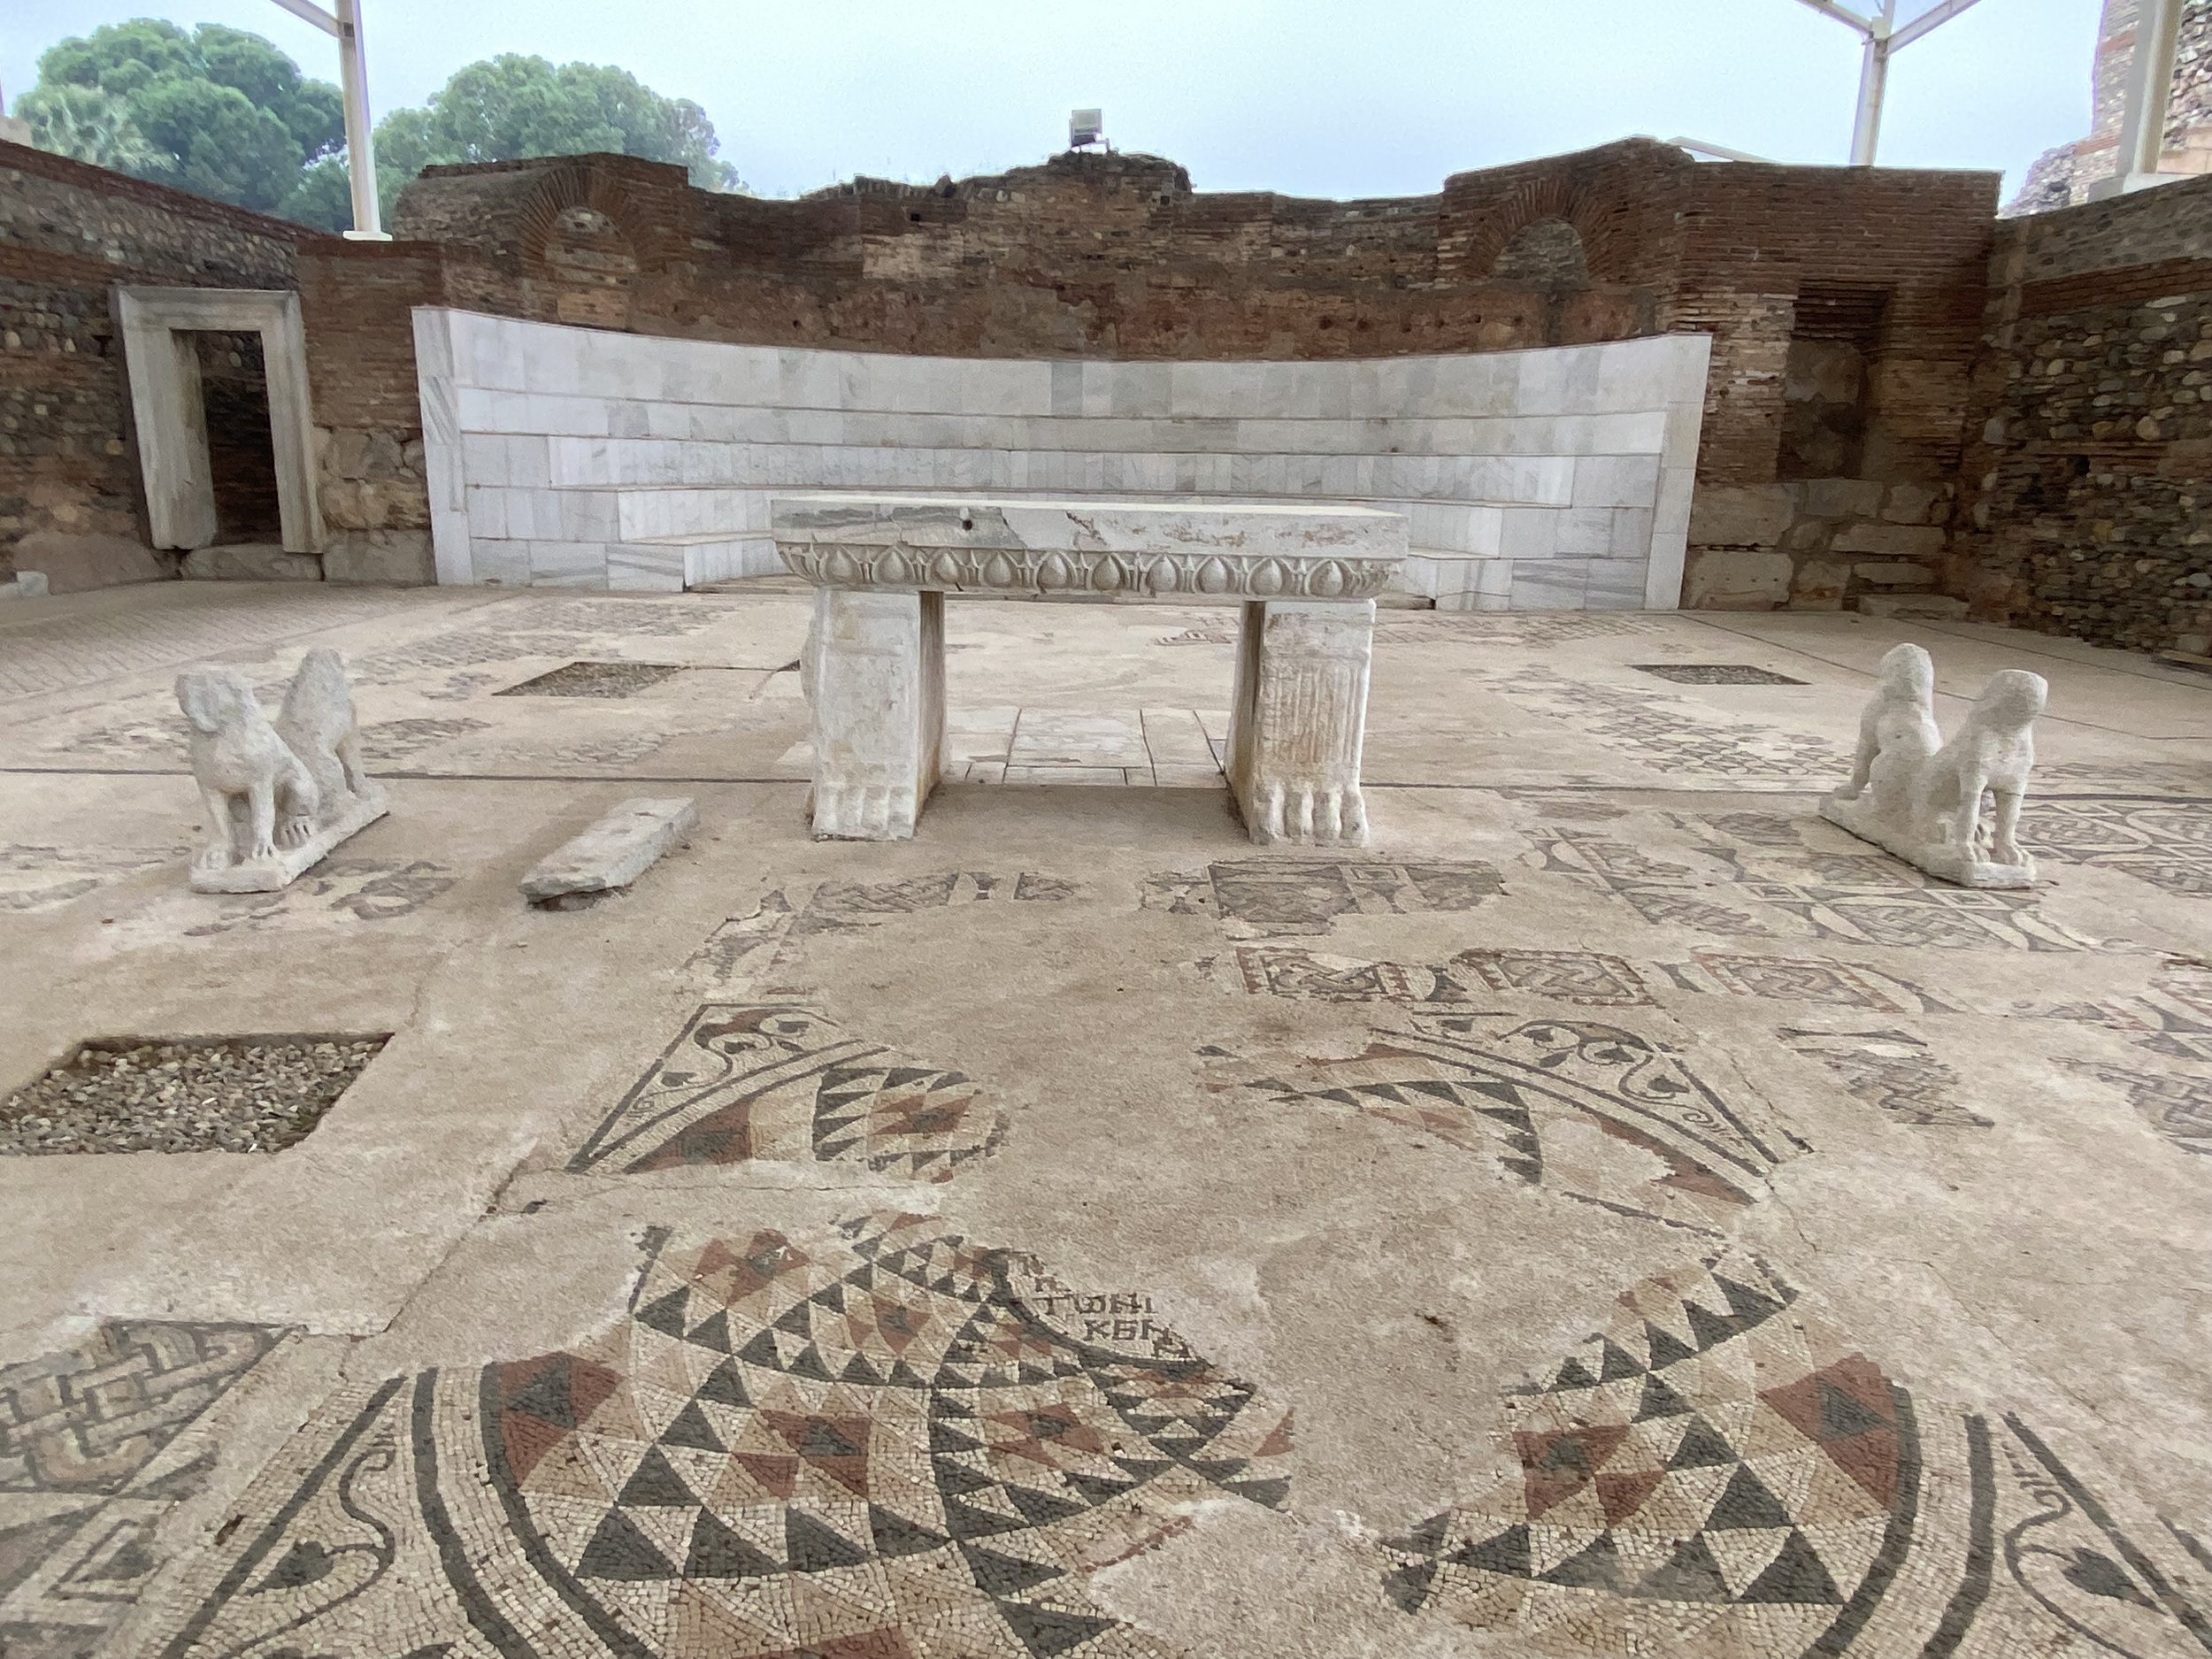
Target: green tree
x=223 y=112
x=215 y=111
x=510 y=108
x=91 y=126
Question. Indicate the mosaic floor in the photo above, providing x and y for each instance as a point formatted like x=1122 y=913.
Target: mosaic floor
x=1613 y=1214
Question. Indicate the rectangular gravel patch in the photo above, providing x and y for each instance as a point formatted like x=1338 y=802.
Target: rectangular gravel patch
x=594 y=680
x=184 y=1095
x=1714 y=674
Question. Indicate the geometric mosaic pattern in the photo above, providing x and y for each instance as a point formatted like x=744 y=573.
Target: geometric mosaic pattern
x=1729 y=1469
x=1720 y=1470
x=1863 y=900
x=1260 y=898
x=2178 y=1107
x=2167 y=845
x=1525 y=628
x=1667 y=1148
x=1659 y=890
x=744 y=1082
x=743 y=948
x=1585 y=977
x=1674 y=734
x=93 y=1452
x=1892 y=1070
x=876 y=1442
x=1714 y=674
x=1823 y=980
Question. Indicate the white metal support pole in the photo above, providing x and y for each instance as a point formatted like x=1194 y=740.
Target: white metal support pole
x=360 y=139
x=1881 y=40
x=1866 y=124
x=353 y=91
x=2150 y=86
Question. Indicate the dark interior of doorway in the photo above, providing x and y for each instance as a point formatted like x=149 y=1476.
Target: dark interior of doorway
x=241 y=450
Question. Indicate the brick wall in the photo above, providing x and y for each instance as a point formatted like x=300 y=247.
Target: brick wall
x=67 y=233
x=356 y=303
x=1114 y=256
x=2089 y=477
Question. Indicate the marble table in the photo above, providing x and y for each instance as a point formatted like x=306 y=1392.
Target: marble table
x=875 y=661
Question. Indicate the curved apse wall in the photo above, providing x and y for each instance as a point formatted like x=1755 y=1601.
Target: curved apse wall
x=1548 y=480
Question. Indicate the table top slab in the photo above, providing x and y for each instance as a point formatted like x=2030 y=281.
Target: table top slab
x=1218 y=550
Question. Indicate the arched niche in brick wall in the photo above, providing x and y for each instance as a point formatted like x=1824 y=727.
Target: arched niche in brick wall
x=591 y=267
x=1548 y=252
x=1545 y=232
x=584 y=249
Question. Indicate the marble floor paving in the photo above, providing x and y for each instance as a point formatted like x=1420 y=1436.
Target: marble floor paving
x=1614 y=1213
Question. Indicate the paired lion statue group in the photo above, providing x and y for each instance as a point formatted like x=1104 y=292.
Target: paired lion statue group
x=1920 y=797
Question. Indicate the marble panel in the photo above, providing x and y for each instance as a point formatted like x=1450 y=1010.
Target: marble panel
x=1549 y=584
x=1450 y=439
x=1615 y=585
x=1529 y=533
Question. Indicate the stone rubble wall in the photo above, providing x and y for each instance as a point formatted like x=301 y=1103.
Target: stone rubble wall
x=2088 y=483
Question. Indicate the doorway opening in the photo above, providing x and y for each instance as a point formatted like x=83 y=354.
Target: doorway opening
x=241 y=444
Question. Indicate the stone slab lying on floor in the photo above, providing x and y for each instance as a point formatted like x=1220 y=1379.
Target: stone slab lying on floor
x=614 y=852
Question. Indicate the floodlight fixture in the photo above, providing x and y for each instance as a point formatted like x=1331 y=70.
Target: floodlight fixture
x=353 y=89
x=1085 y=127
x=1881 y=35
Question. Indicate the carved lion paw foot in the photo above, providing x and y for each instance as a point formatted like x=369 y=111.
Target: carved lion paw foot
x=867 y=813
x=294 y=831
x=1321 y=818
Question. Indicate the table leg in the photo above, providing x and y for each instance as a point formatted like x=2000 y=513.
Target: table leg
x=875 y=676
x=1299 y=717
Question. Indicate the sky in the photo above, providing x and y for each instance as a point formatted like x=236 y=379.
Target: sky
x=1307 y=98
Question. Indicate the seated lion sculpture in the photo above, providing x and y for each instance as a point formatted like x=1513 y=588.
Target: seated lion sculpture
x=271 y=787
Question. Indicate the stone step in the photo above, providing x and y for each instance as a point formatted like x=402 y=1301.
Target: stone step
x=1893 y=573
x=1916 y=607
x=670 y=564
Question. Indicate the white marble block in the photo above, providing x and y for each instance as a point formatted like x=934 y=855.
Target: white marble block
x=1920 y=798
x=1298 y=718
x=875 y=677
x=280 y=797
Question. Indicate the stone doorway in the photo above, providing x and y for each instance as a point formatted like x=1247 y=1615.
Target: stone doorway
x=218 y=397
